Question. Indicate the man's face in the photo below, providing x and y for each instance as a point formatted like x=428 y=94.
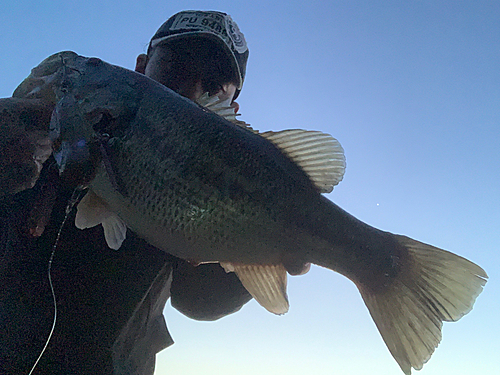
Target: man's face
x=191 y=72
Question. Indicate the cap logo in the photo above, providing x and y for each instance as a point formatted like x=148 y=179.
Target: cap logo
x=216 y=23
x=236 y=35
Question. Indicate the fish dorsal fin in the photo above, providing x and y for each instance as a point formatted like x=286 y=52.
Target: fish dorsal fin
x=220 y=106
x=92 y=211
x=205 y=100
x=319 y=155
x=266 y=283
x=223 y=108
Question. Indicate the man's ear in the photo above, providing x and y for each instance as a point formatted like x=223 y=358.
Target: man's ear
x=141 y=62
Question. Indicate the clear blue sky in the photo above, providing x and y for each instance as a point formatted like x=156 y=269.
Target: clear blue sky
x=412 y=91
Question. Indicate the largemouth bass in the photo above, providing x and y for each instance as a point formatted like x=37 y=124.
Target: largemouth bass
x=208 y=190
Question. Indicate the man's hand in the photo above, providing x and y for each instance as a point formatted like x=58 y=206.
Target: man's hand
x=24 y=142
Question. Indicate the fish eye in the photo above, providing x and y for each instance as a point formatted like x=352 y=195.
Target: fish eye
x=56 y=144
x=105 y=124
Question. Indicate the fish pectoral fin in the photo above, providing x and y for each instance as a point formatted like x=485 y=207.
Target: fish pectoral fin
x=319 y=155
x=266 y=283
x=92 y=211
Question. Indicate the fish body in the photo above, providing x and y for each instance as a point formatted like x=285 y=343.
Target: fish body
x=207 y=190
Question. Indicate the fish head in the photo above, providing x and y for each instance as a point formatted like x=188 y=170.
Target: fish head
x=93 y=105
x=76 y=149
x=46 y=79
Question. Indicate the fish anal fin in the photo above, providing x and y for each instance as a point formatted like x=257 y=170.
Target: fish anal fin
x=115 y=231
x=435 y=286
x=266 y=283
x=92 y=211
x=319 y=155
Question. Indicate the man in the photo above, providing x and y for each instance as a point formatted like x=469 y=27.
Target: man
x=193 y=52
x=109 y=303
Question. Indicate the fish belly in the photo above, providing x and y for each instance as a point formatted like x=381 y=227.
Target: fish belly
x=201 y=231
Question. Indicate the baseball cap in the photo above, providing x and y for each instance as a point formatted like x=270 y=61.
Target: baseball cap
x=217 y=26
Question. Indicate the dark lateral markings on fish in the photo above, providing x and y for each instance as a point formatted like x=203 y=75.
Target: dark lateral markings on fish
x=211 y=189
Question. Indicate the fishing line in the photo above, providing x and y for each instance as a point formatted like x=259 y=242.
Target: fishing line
x=75 y=196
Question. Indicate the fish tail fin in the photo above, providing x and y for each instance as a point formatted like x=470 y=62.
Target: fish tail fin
x=437 y=286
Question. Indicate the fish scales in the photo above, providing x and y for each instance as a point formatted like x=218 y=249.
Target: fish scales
x=214 y=185
x=207 y=190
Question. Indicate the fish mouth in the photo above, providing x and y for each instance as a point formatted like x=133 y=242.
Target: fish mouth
x=71 y=153
x=77 y=161
x=80 y=146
